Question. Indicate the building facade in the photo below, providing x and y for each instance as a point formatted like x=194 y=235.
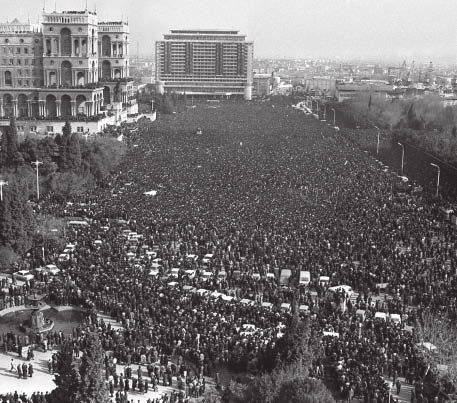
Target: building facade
x=205 y=63
x=68 y=67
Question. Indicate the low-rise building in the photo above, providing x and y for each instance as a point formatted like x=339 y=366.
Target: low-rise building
x=354 y=90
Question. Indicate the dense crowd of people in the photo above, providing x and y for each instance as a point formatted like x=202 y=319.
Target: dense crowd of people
x=259 y=192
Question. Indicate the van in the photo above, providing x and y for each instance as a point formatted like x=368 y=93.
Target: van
x=132 y=236
x=395 y=318
x=207 y=258
x=284 y=280
x=305 y=278
x=324 y=280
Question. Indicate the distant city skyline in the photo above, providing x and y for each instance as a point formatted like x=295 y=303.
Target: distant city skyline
x=418 y=30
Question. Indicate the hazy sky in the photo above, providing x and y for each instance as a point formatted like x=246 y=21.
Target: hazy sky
x=401 y=29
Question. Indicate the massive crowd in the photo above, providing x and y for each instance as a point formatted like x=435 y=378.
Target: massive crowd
x=260 y=191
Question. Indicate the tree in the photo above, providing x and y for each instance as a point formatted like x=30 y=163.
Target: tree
x=66 y=377
x=50 y=231
x=297 y=343
x=303 y=390
x=290 y=383
x=3 y=147
x=7 y=257
x=10 y=155
x=13 y=150
x=166 y=105
x=66 y=129
x=441 y=332
x=68 y=184
x=74 y=153
x=93 y=388
x=17 y=221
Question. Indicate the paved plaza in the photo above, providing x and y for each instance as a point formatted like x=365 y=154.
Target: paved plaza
x=42 y=380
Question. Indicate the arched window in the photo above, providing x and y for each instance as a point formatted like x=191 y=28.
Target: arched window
x=8 y=109
x=48 y=47
x=106 y=69
x=66 y=73
x=65 y=40
x=106 y=96
x=106 y=46
x=80 y=78
x=22 y=105
x=52 y=78
x=94 y=73
x=51 y=109
x=8 y=78
x=81 y=105
x=65 y=106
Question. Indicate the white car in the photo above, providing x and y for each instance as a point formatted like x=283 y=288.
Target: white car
x=63 y=257
x=207 y=258
x=23 y=275
x=190 y=273
x=174 y=272
x=52 y=269
x=192 y=258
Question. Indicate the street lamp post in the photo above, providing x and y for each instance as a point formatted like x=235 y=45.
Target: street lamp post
x=2 y=183
x=402 y=156
x=37 y=164
x=334 y=117
x=437 y=179
x=377 y=143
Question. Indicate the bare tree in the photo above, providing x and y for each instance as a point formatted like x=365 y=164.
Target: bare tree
x=437 y=338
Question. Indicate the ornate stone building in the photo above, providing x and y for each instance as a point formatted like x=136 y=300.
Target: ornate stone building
x=71 y=66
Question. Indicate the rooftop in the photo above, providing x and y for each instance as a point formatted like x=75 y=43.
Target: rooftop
x=203 y=31
x=364 y=87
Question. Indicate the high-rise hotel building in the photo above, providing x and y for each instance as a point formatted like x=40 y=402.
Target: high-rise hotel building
x=205 y=63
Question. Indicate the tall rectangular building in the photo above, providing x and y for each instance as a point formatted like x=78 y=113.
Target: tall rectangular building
x=205 y=62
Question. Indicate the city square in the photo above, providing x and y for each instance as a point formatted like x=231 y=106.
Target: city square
x=203 y=221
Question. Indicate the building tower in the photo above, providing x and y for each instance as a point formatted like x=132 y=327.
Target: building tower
x=70 y=42
x=20 y=68
x=63 y=69
x=70 y=65
x=114 y=49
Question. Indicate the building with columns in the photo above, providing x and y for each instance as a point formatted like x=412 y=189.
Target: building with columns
x=68 y=67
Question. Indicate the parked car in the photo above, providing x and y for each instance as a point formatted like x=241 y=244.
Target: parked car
x=52 y=269
x=23 y=275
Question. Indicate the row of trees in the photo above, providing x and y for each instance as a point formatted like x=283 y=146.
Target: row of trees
x=69 y=166
x=425 y=122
